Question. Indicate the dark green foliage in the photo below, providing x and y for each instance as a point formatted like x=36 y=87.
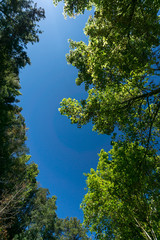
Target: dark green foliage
x=18 y=21
x=18 y=27
x=42 y=221
x=26 y=210
x=72 y=229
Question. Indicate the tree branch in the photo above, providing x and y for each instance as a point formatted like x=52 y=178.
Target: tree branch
x=143 y=230
x=148 y=94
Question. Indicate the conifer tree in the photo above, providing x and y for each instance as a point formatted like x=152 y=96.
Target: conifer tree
x=18 y=21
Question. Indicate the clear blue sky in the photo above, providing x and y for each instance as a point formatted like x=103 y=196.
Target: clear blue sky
x=62 y=151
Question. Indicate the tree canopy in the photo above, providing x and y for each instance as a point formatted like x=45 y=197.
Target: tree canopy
x=119 y=69
x=27 y=211
x=72 y=229
x=123 y=194
x=18 y=21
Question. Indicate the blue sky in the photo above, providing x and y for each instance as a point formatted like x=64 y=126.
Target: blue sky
x=62 y=151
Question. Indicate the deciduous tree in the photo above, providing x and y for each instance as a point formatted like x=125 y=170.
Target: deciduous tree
x=123 y=194
x=119 y=68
